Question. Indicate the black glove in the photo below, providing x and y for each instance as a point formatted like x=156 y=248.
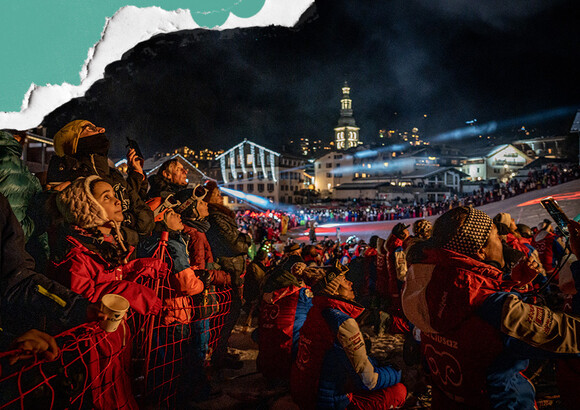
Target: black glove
x=205 y=276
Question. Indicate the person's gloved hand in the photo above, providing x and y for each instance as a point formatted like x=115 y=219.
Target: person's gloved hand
x=150 y=267
x=525 y=271
x=205 y=276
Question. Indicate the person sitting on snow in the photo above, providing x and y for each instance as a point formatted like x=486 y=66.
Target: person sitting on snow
x=332 y=368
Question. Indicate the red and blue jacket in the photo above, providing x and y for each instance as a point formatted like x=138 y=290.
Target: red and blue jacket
x=282 y=314
x=550 y=249
x=332 y=361
x=476 y=335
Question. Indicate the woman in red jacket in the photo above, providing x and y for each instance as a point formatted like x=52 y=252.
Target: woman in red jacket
x=93 y=262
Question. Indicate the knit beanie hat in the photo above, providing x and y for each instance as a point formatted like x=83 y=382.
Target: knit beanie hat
x=422 y=228
x=67 y=138
x=79 y=207
x=472 y=235
x=322 y=280
x=545 y=224
x=399 y=230
x=210 y=185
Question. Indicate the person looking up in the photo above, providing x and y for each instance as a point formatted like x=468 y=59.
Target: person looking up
x=230 y=249
x=82 y=150
x=169 y=179
x=477 y=334
x=92 y=260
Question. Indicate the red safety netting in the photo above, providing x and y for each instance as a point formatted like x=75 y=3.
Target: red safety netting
x=152 y=359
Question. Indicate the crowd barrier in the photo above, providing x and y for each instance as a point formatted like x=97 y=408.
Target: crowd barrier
x=147 y=355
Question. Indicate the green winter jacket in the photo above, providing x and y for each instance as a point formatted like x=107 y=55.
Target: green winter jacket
x=17 y=184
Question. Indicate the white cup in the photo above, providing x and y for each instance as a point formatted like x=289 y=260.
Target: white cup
x=114 y=307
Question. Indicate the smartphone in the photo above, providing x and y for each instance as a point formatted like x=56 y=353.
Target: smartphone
x=556 y=213
x=133 y=144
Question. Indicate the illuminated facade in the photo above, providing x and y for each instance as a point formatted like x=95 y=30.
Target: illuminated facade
x=257 y=170
x=501 y=163
x=332 y=169
x=346 y=133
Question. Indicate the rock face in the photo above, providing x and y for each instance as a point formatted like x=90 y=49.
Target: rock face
x=198 y=88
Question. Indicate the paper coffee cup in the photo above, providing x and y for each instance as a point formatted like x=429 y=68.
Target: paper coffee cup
x=114 y=307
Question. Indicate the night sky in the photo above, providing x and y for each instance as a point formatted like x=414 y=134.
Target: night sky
x=454 y=60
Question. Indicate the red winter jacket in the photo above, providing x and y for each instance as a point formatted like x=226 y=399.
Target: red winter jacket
x=201 y=257
x=476 y=335
x=394 y=248
x=88 y=274
x=282 y=314
x=549 y=248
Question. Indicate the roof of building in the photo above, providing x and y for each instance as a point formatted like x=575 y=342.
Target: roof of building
x=361 y=185
x=427 y=172
x=245 y=141
x=487 y=152
x=543 y=161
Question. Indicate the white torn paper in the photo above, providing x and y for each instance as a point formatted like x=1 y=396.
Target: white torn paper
x=128 y=27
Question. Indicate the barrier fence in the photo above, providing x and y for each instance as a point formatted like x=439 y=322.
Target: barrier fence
x=144 y=361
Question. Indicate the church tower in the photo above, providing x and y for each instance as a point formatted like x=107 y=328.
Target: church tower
x=346 y=133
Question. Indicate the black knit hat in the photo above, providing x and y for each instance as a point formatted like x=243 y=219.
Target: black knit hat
x=210 y=185
x=291 y=248
x=188 y=199
x=399 y=229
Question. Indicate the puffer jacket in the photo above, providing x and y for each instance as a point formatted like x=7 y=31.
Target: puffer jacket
x=476 y=335
x=550 y=249
x=29 y=299
x=332 y=361
x=138 y=217
x=229 y=246
x=87 y=273
x=181 y=283
x=201 y=257
x=282 y=314
x=17 y=184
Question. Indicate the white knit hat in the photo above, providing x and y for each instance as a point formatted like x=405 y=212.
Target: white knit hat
x=79 y=207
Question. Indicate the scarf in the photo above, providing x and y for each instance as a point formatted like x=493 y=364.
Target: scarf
x=202 y=225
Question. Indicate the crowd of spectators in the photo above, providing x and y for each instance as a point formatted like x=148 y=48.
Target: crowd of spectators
x=474 y=298
x=368 y=211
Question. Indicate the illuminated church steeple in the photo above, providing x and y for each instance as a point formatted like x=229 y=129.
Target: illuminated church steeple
x=346 y=133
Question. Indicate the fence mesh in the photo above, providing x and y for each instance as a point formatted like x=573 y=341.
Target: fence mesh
x=146 y=360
